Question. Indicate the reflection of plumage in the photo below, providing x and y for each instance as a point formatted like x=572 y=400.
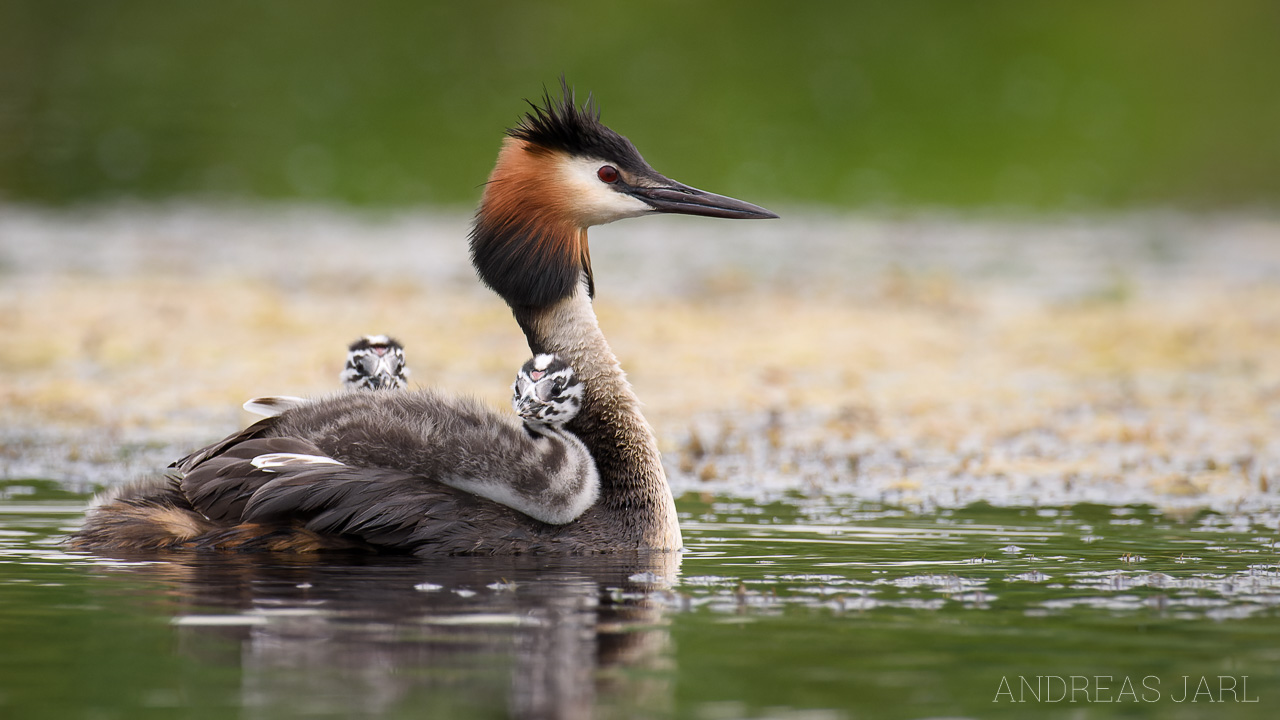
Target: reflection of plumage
x=321 y=620
x=352 y=469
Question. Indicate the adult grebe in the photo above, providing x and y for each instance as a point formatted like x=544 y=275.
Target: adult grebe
x=365 y=480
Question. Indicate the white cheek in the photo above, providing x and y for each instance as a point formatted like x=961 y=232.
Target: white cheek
x=596 y=202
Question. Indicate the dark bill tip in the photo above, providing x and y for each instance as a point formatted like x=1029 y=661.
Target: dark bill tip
x=684 y=200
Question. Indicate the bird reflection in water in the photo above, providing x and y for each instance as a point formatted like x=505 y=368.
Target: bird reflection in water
x=525 y=637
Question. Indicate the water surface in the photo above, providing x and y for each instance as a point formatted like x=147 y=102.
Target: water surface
x=797 y=607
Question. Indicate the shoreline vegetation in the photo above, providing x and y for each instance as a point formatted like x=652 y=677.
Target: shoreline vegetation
x=921 y=361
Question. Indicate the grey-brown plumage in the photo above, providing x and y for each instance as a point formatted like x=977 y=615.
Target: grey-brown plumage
x=345 y=471
x=545 y=473
x=324 y=470
x=428 y=437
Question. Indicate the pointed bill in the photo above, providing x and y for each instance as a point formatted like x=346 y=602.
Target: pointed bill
x=674 y=197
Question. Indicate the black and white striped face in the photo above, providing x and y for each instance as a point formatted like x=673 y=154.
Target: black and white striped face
x=375 y=362
x=546 y=392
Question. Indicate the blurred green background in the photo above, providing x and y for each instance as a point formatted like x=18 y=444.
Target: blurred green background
x=1025 y=105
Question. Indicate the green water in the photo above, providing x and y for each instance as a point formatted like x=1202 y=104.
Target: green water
x=796 y=608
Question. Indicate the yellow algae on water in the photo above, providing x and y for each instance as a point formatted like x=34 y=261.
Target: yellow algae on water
x=885 y=375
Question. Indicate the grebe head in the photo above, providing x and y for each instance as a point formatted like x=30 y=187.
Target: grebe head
x=375 y=362
x=560 y=171
x=546 y=392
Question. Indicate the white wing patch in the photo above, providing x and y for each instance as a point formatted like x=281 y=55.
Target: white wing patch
x=563 y=511
x=273 y=405
x=271 y=461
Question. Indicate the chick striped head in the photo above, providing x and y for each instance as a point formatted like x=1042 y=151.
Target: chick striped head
x=547 y=392
x=375 y=362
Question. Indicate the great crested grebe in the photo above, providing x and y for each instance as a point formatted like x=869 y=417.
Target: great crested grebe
x=546 y=394
x=544 y=472
x=374 y=362
x=547 y=475
x=347 y=471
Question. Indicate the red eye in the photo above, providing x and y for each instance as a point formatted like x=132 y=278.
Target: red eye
x=607 y=173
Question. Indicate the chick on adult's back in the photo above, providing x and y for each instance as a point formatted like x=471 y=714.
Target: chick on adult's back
x=350 y=470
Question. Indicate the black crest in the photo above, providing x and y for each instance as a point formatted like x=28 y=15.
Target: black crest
x=560 y=124
x=524 y=260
